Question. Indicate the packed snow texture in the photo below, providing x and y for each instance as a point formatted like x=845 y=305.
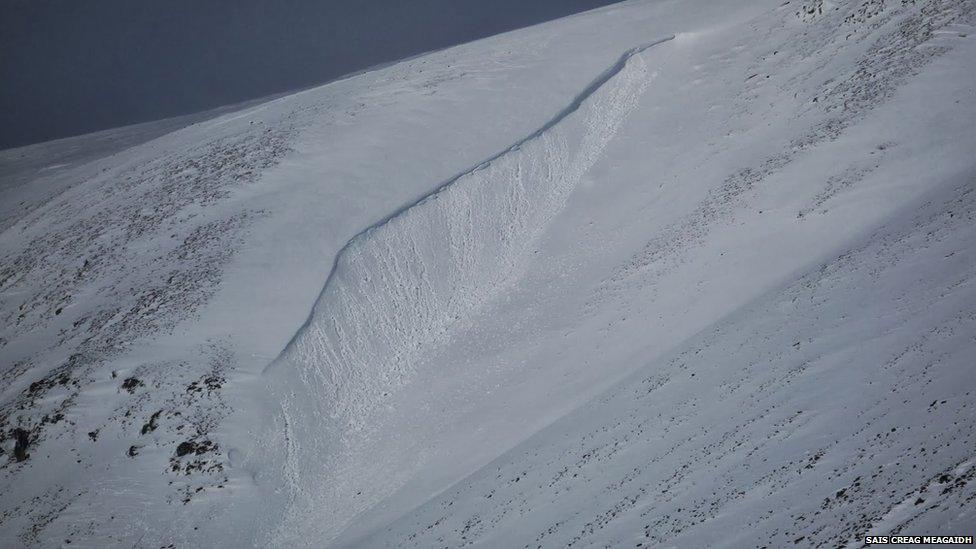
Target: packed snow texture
x=666 y=273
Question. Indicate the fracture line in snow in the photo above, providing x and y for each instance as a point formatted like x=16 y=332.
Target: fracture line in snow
x=572 y=107
x=406 y=282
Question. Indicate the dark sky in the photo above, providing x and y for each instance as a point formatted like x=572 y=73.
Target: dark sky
x=69 y=67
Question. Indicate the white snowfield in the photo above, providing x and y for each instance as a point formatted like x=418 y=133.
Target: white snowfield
x=668 y=273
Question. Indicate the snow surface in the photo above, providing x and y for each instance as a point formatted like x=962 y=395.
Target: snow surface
x=667 y=273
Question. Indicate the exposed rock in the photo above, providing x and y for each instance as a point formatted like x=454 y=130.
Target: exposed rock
x=152 y=424
x=22 y=439
x=131 y=384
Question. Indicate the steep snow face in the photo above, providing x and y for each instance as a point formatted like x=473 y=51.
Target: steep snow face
x=667 y=251
x=405 y=284
x=401 y=284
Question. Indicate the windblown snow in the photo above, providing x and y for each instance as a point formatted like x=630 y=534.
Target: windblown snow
x=668 y=273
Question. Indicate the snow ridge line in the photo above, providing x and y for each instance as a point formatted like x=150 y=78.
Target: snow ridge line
x=573 y=106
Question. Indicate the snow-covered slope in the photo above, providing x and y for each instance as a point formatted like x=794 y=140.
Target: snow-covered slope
x=668 y=272
x=839 y=405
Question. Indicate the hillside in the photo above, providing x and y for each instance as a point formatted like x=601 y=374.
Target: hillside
x=665 y=273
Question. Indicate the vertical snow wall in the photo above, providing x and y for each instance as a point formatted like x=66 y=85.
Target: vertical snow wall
x=404 y=284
